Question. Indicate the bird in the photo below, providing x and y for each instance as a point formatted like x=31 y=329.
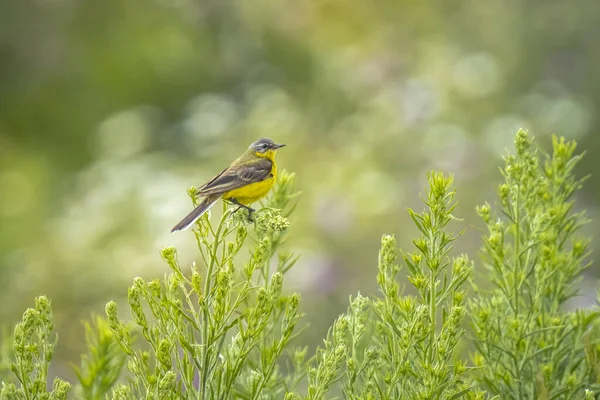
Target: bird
x=248 y=179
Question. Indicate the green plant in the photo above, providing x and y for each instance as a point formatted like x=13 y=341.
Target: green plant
x=101 y=367
x=528 y=347
x=410 y=353
x=223 y=333
x=224 y=329
x=33 y=347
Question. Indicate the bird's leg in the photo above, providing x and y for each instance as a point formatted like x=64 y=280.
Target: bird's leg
x=237 y=203
x=240 y=205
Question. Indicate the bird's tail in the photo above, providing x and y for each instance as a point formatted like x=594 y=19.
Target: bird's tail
x=196 y=213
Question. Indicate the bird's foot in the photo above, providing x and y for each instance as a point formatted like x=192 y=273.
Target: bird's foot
x=250 y=214
x=250 y=211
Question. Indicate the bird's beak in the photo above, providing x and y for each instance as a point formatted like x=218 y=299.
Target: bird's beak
x=278 y=146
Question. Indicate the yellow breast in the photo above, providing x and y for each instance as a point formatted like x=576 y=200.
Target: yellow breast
x=251 y=193
x=254 y=191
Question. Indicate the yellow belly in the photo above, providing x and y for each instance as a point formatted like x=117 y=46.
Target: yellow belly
x=252 y=192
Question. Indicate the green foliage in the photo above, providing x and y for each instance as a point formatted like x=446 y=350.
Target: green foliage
x=528 y=347
x=418 y=334
x=410 y=354
x=223 y=329
x=33 y=346
x=101 y=367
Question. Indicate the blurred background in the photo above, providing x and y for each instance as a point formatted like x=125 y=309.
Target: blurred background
x=110 y=110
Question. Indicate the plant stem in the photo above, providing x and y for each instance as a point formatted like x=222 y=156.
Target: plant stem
x=517 y=270
x=432 y=299
x=205 y=325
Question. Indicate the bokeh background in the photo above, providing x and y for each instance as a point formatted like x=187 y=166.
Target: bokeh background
x=110 y=110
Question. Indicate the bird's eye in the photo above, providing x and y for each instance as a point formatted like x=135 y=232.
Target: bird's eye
x=262 y=148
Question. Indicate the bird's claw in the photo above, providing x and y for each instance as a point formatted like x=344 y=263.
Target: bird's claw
x=250 y=215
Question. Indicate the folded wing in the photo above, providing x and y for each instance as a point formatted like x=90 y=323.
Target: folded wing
x=237 y=176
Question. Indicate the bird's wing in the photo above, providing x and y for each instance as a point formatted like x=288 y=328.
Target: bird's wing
x=201 y=188
x=237 y=176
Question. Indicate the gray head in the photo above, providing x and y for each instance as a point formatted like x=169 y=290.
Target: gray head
x=265 y=145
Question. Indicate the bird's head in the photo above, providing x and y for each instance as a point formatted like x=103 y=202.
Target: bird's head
x=265 y=148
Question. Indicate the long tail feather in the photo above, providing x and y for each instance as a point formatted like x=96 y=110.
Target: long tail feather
x=195 y=214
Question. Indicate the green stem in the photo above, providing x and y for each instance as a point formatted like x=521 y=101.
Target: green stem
x=517 y=270
x=432 y=300
x=431 y=260
x=205 y=325
x=268 y=371
x=215 y=249
x=23 y=380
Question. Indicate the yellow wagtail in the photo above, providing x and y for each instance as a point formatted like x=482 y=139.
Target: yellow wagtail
x=246 y=180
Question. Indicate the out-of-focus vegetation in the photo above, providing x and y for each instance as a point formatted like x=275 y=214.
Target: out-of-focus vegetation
x=110 y=110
